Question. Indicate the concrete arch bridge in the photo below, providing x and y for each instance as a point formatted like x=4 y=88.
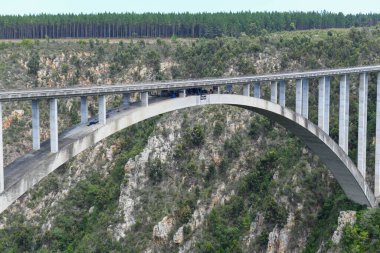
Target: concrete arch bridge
x=28 y=170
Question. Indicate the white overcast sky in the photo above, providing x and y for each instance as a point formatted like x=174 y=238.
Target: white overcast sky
x=21 y=7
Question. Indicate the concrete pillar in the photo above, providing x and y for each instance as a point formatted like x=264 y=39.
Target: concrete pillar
x=377 y=148
x=83 y=110
x=324 y=103
x=36 y=124
x=282 y=92
x=53 y=125
x=344 y=101
x=102 y=109
x=362 y=132
x=247 y=90
x=125 y=100
x=144 y=98
x=273 y=92
x=305 y=98
x=2 y=179
x=182 y=93
x=257 y=90
x=218 y=90
x=299 y=96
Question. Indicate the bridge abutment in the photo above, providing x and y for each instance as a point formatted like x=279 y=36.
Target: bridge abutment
x=36 y=124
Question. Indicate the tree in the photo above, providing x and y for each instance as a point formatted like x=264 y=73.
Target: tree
x=34 y=63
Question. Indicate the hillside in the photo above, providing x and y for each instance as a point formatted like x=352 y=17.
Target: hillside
x=210 y=179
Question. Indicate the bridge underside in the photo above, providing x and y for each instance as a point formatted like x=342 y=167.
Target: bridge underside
x=28 y=170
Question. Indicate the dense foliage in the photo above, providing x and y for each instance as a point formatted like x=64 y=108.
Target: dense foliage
x=112 y=25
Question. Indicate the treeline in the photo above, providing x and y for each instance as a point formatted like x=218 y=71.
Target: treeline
x=112 y=25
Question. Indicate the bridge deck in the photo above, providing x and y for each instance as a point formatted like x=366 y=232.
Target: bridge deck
x=46 y=93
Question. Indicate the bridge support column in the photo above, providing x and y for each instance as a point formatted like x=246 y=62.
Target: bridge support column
x=126 y=100
x=36 y=124
x=299 y=96
x=247 y=90
x=144 y=99
x=2 y=179
x=344 y=101
x=273 y=91
x=182 y=93
x=282 y=92
x=257 y=90
x=377 y=148
x=83 y=110
x=362 y=132
x=53 y=125
x=324 y=104
x=102 y=109
x=305 y=98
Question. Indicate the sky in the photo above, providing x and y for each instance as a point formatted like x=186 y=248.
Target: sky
x=21 y=7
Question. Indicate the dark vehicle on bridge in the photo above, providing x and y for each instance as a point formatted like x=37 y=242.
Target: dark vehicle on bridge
x=196 y=91
x=93 y=122
x=169 y=93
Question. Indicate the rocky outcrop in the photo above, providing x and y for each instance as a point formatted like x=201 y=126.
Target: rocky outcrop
x=162 y=229
x=278 y=239
x=345 y=218
x=254 y=230
x=178 y=236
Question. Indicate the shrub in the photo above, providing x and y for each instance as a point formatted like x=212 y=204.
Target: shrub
x=34 y=63
x=156 y=170
x=197 y=135
x=218 y=128
x=233 y=146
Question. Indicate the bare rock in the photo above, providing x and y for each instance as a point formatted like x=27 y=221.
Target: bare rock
x=273 y=242
x=178 y=236
x=345 y=217
x=162 y=229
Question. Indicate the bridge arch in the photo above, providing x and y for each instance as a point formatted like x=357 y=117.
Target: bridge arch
x=71 y=144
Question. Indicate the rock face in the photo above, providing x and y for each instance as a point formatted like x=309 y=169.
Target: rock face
x=273 y=242
x=162 y=229
x=255 y=229
x=178 y=236
x=345 y=218
x=278 y=239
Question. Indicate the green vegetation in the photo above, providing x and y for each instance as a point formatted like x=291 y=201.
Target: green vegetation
x=113 y=25
x=364 y=235
x=34 y=63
